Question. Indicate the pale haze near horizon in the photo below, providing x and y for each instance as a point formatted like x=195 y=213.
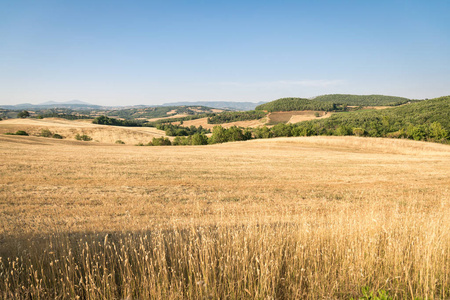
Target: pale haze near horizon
x=148 y=52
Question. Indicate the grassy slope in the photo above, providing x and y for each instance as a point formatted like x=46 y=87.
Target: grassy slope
x=286 y=218
x=69 y=129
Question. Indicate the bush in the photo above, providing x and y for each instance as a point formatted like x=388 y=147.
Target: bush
x=83 y=137
x=18 y=132
x=358 y=131
x=182 y=141
x=21 y=132
x=57 y=136
x=46 y=133
x=120 y=142
x=162 y=141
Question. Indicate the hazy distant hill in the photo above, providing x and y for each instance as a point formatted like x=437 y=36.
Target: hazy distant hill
x=219 y=104
x=73 y=104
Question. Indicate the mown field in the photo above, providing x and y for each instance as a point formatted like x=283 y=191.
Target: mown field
x=285 y=218
x=68 y=129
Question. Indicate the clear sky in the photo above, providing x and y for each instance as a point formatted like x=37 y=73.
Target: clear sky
x=152 y=52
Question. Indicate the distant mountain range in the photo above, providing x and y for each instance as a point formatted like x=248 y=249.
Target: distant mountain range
x=219 y=104
x=77 y=104
x=73 y=104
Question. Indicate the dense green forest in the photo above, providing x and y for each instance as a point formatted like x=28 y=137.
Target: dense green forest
x=362 y=100
x=233 y=116
x=290 y=104
x=425 y=120
x=335 y=102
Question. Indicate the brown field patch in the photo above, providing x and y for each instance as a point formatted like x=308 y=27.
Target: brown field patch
x=295 y=116
x=69 y=129
x=169 y=117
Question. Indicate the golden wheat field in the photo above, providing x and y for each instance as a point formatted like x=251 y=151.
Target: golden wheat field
x=69 y=129
x=287 y=218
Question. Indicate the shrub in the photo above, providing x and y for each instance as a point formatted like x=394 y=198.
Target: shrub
x=358 y=131
x=182 y=141
x=57 y=136
x=46 y=133
x=162 y=141
x=120 y=142
x=21 y=132
x=83 y=137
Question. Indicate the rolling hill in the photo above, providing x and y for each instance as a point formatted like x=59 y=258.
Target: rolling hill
x=363 y=100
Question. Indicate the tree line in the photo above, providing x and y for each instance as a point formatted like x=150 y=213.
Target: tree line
x=290 y=104
x=234 y=116
x=363 y=100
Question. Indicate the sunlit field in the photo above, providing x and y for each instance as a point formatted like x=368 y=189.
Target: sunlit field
x=286 y=218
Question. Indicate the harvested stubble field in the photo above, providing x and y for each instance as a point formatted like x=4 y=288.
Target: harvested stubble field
x=69 y=129
x=296 y=116
x=288 y=218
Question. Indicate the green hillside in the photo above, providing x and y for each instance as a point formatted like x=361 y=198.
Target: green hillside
x=290 y=104
x=424 y=120
x=363 y=100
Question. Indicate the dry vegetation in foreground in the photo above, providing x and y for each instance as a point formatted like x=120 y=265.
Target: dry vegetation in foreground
x=69 y=129
x=317 y=217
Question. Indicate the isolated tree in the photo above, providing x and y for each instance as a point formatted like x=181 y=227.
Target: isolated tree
x=23 y=114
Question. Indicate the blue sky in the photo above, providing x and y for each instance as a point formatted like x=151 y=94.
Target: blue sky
x=152 y=52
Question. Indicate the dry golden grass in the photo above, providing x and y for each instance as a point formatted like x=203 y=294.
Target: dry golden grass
x=295 y=116
x=204 y=123
x=69 y=129
x=168 y=117
x=312 y=217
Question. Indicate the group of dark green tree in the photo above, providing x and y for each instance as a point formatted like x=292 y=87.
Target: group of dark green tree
x=334 y=102
x=219 y=135
x=234 y=116
x=177 y=130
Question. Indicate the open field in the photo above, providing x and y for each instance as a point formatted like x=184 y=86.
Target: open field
x=204 y=123
x=69 y=129
x=316 y=217
x=295 y=116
